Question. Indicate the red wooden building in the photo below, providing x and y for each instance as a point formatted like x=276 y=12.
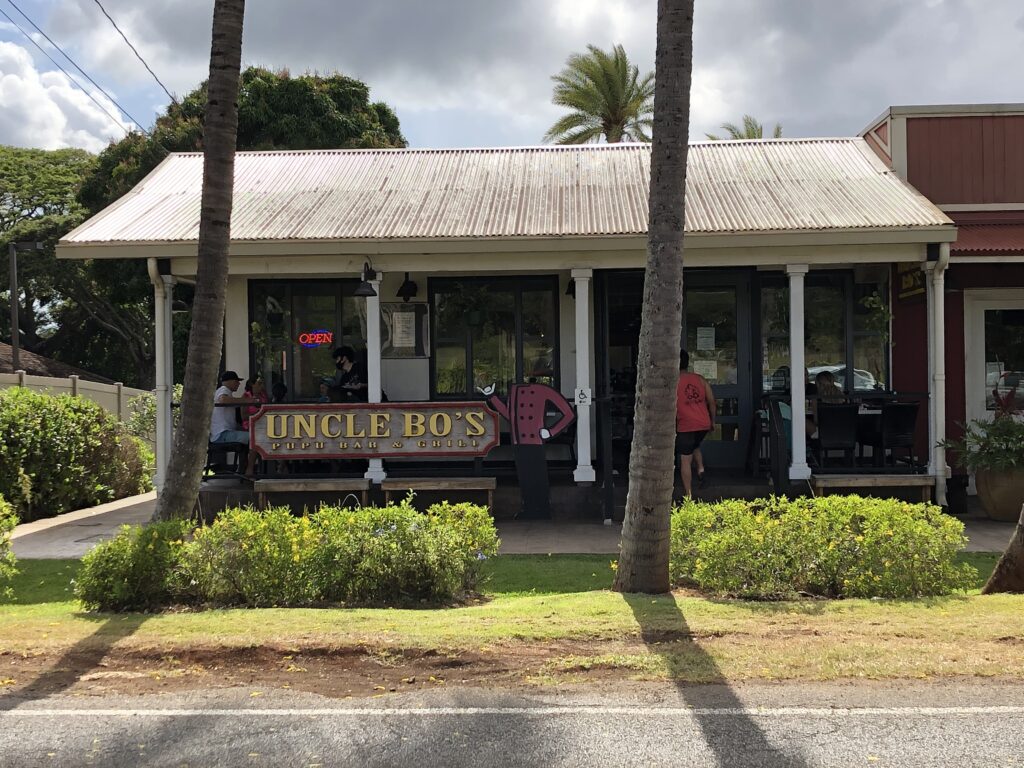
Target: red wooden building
x=969 y=161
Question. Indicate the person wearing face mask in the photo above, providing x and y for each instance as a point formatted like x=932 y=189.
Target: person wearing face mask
x=350 y=380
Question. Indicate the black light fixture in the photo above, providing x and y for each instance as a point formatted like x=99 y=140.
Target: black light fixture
x=570 y=289
x=365 y=288
x=179 y=307
x=408 y=289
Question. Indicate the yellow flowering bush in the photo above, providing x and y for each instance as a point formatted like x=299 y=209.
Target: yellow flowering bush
x=8 y=520
x=134 y=571
x=391 y=555
x=833 y=546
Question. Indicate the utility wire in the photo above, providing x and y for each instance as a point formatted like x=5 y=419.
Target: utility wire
x=73 y=62
x=135 y=51
x=68 y=75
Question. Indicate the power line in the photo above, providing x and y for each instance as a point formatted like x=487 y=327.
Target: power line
x=135 y=51
x=74 y=63
x=74 y=82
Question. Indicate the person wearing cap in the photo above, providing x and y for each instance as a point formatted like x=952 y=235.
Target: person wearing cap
x=223 y=428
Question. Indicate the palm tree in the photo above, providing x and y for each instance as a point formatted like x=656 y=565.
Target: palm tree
x=220 y=133
x=751 y=129
x=607 y=97
x=1008 y=575
x=644 y=558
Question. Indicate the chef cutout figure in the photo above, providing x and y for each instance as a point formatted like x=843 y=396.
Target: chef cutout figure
x=525 y=409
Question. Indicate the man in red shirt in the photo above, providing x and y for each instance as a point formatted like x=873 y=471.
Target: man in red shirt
x=695 y=417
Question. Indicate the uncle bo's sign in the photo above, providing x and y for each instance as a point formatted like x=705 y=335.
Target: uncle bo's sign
x=373 y=430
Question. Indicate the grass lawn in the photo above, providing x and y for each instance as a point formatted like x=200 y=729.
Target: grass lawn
x=556 y=614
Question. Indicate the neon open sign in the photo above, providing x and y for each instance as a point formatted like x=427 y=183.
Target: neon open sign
x=314 y=339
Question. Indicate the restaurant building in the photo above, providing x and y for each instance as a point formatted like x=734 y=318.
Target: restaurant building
x=969 y=160
x=497 y=267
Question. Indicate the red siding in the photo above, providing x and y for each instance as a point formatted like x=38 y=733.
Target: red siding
x=968 y=159
x=910 y=346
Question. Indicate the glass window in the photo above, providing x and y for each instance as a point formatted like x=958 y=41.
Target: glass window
x=871 y=329
x=775 y=338
x=294 y=328
x=1004 y=358
x=825 y=327
x=711 y=333
x=498 y=331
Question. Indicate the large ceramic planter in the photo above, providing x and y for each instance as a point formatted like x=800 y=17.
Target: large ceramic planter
x=1001 y=492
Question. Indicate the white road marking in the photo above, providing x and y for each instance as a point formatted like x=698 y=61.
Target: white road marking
x=526 y=711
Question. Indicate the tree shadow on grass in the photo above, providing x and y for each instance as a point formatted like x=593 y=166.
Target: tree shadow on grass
x=81 y=658
x=736 y=739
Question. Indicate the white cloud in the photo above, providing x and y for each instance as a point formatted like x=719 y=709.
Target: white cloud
x=44 y=109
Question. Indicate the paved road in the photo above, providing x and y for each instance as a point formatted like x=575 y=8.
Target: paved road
x=974 y=724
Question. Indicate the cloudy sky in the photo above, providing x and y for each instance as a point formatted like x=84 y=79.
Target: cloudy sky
x=477 y=72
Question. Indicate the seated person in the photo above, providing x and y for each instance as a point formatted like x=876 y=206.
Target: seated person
x=257 y=392
x=350 y=384
x=827 y=391
x=223 y=428
x=325 y=391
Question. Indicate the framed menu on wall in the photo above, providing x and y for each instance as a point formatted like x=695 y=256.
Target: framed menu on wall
x=404 y=330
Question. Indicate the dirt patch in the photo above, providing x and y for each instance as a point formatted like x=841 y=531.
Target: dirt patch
x=355 y=672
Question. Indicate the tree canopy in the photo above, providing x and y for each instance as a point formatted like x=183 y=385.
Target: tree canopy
x=751 y=129
x=275 y=111
x=98 y=314
x=607 y=97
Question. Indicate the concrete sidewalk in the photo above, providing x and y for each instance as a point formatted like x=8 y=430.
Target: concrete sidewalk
x=73 y=534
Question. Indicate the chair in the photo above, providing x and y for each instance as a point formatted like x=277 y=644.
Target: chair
x=837 y=431
x=893 y=428
x=217 y=457
x=780 y=430
x=899 y=423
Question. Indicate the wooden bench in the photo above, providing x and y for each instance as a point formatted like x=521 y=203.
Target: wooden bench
x=925 y=482
x=360 y=485
x=402 y=485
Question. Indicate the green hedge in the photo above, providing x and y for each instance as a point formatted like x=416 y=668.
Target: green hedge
x=391 y=555
x=59 y=453
x=8 y=520
x=833 y=546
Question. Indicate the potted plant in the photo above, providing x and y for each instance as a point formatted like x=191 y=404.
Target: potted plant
x=994 y=452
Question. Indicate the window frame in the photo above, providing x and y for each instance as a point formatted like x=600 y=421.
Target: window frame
x=290 y=285
x=517 y=284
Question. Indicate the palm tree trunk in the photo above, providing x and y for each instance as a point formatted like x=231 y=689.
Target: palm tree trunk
x=220 y=133
x=643 y=562
x=1009 y=573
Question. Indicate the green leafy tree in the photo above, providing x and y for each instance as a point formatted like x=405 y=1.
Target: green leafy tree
x=751 y=129
x=606 y=96
x=275 y=111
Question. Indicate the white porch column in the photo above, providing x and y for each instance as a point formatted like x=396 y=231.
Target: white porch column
x=584 y=472
x=939 y=376
x=169 y=283
x=928 y=269
x=376 y=471
x=798 y=470
x=162 y=298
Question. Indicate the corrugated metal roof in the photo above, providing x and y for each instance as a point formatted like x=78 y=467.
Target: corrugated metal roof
x=732 y=187
x=989 y=240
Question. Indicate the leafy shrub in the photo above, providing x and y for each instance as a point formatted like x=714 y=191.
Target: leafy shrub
x=996 y=445
x=835 y=546
x=61 y=452
x=8 y=520
x=372 y=556
x=248 y=557
x=141 y=421
x=134 y=571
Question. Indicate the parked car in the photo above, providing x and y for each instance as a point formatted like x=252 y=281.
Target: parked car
x=861 y=379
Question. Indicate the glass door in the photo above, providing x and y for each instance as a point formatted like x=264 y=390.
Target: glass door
x=716 y=333
x=994 y=335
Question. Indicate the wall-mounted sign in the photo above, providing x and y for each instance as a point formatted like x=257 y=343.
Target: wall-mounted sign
x=373 y=430
x=313 y=339
x=910 y=281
